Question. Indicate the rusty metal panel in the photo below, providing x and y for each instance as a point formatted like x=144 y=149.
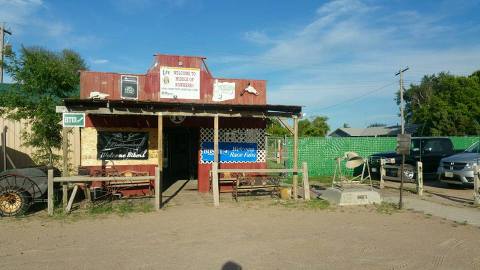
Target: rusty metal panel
x=149 y=83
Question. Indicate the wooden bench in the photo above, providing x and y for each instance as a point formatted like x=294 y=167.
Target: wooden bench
x=225 y=178
x=257 y=184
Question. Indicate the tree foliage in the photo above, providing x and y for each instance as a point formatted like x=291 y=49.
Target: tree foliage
x=317 y=127
x=376 y=125
x=444 y=105
x=42 y=79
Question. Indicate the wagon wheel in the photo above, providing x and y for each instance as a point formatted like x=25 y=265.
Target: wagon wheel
x=16 y=194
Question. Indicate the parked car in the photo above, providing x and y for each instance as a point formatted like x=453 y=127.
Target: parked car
x=458 y=169
x=428 y=150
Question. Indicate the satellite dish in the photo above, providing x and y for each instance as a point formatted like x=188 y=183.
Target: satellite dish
x=354 y=162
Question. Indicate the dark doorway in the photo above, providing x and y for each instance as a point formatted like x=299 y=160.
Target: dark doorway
x=181 y=153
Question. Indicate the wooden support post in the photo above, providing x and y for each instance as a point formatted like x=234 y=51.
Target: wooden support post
x=420 y=178
x=50 y=192
x=64 y=166
x=382 y=173
x=215 y=187
x=306 y=184
x=157 y=189
x=159 y=172
x=476 y=186
x=295 y=157
x=279 y=151
x=72 y=198
x=4 y=149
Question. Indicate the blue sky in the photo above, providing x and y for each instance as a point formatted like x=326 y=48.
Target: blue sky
x=337 y=58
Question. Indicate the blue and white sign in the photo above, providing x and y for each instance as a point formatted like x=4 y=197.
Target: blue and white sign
x=230 y=152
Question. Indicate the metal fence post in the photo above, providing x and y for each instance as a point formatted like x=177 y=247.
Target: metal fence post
x=306 y=184
x=157 y=201
x=420 y=178
x=476 y=186
x=382 y=173
x=50 y=192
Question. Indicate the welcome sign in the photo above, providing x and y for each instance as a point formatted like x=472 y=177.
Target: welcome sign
x=122 y=145
x=179 y=83
x=230 y=152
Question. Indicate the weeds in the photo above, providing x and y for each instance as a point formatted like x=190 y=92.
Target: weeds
x=316 y=204
x=386 y=208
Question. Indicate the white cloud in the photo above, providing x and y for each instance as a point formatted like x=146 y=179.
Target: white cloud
x=349 y=42
x=99 y=61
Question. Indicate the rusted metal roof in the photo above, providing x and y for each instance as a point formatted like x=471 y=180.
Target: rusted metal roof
x=155 y=106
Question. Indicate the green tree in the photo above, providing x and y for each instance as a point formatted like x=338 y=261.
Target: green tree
x=274 y=127
x=444 y=105
x=42 y=79
x=376 y=125
x=318 y=127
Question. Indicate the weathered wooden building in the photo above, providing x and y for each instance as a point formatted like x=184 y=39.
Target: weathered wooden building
x=177 y=116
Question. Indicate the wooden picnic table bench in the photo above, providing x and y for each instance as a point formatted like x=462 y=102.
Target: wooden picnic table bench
x=257 y=184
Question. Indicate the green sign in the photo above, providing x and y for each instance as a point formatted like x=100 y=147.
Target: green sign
x=73 y=120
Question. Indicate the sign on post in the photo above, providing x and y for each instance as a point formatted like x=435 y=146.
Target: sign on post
x=403 y=144
x=129 y=87
x=73 y=120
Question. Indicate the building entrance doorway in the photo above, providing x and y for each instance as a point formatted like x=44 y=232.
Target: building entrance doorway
x=181 y=154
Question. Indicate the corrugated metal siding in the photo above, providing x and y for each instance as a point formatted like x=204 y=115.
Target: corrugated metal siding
x=21 y=154
x=149 y=84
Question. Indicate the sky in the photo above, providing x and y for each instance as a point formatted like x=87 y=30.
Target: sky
x=336 y=58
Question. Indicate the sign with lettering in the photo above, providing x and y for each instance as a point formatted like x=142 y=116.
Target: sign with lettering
x=129 y=87
x=179 y=83
x=73 y=120
x=230 y=152
x=223 y=91
x=122 y=145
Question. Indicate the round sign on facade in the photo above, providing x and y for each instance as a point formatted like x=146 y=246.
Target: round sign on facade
x=177 y=119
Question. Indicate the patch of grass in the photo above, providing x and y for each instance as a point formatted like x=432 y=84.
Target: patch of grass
x=428 y=215
x=316 y=204
x=106 y=208
x=386 y=208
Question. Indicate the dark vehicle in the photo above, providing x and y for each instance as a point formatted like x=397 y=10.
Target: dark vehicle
x=428 y=150
x=21 y=188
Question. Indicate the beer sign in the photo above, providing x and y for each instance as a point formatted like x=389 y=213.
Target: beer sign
x=129 y=87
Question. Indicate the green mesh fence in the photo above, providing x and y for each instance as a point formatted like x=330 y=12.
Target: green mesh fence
x=320 y=153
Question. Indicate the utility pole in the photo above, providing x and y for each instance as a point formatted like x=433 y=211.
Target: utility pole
x=3 y=31
x=402 y=119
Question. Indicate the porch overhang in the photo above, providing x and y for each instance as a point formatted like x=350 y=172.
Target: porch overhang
x=133 y=107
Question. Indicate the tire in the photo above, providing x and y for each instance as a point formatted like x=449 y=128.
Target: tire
x=14 y=202
x=409 y=174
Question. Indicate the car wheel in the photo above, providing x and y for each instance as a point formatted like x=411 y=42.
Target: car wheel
x=409 y=173
x=14 y=202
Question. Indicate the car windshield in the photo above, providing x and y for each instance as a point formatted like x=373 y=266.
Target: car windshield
x=474 y=148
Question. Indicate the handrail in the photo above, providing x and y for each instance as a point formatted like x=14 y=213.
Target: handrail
x=87 y=178
x=258 y=170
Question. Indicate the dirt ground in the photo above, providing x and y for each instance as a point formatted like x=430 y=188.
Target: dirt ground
x=252 y=234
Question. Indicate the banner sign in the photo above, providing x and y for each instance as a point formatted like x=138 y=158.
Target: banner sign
x=230 y=152
x=179 y=83
x=129 y=87
x=73 y=120
x=122 y=145
x=223 y=91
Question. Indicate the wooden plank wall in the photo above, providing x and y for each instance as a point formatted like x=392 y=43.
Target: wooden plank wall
x=21 y=154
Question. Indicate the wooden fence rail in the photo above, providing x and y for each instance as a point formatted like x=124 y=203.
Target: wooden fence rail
x=85 y=179
x=384 y=165
x=303 y=171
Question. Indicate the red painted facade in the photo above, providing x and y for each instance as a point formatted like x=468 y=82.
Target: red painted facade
x=149 y=83
x=149 y=90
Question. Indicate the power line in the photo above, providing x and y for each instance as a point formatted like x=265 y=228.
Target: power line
x=357 y=98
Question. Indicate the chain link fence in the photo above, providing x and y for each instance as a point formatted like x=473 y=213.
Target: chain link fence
x=320 y=152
